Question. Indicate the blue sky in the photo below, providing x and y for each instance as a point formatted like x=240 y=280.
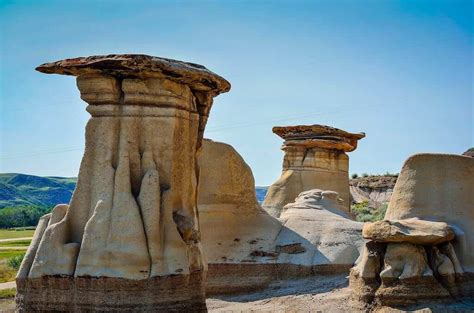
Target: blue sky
x=400 y=71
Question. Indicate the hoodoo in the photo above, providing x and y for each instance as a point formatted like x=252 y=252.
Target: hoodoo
x=130 y=237
x=315 y=157
x=423 y=248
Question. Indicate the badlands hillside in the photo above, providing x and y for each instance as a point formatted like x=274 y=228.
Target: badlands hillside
x=376 y=189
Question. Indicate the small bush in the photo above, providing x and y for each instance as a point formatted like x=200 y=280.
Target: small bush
x=7 y=293
x=364 y=213
x=365 y=175
x=14 y=262
x=354 y=176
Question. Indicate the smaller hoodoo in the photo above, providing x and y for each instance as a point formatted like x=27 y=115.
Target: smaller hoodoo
x=315 y=157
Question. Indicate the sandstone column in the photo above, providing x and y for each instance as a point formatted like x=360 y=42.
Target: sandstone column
x=129 y=239
x=315 y=158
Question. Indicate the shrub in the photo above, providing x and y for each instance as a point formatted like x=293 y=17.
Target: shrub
x=14 y=262
x=364 y=213
x=7 y=293
x=354 y=176
x=365 y=175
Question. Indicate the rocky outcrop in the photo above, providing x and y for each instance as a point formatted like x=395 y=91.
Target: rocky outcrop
x=419 y=252
x=225 y=178
x=315 y=157
x=469 y=152
x=246 y=248
x=410 y=230
x=132 y=224
x=376 y=189
x=320 y=218
x=438 y=187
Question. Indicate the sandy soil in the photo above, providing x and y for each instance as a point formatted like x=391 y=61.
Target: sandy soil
x=316 y=294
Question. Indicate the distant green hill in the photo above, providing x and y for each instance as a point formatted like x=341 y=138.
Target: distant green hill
x=18 y=190
x=27 y=190
x=25 y=198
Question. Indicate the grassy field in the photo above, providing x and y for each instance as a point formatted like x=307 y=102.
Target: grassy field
x=7 y=293
x=16 y=243
x=12 y=233
x=7 y=273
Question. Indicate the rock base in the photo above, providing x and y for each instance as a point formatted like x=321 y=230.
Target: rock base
x=178 y=293
x=227 y=279
x=400 y=293
x=413 y=290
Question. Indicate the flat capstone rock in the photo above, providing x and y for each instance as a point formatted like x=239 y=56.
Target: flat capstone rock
x=142 y=66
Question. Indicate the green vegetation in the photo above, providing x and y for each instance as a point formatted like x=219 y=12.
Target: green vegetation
x=8 y=260
x=364 y=213
x=354 y=176
x=21 y=216
x=365 y=175
x=16 y=233
x=20 y=190
x=14 y=262
x=16 y=243
x=6 y=254
x=7 y=293
x=25 y=198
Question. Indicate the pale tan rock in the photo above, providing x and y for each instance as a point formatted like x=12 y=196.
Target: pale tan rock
x=368 y=266
x=225 y=178
x=233 y=225
x=114 y=242
x=33 y=247
x=55 y=255
x=246 y=248
x=404 y=261
x=410 y=230
x=315 y=158
x=441 y=263
x=448 y=250
x=439 y=187
x=318 y=222
x=133 y=215
x=149 y=201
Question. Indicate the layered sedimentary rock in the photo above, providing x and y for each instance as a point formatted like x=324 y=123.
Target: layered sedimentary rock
x=376 y=190
x=424 y=245
x=439 y=187
x=246 y=248
x=132 y=226
x=315 y=157
x=410 y=230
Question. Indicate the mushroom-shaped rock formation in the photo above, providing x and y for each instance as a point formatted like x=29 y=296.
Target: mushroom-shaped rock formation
x=425 y=241
x=246 y=248
x=438 y=187
x=132 y=226
x=315 y=157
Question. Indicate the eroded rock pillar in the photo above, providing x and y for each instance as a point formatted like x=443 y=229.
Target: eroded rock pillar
x=315 y=158
x=132 y=224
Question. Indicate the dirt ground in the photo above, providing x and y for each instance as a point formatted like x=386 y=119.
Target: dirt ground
x=316 y=294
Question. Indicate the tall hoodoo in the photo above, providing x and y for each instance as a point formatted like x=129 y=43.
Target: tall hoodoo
x=132 y=224
x=315 y=157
